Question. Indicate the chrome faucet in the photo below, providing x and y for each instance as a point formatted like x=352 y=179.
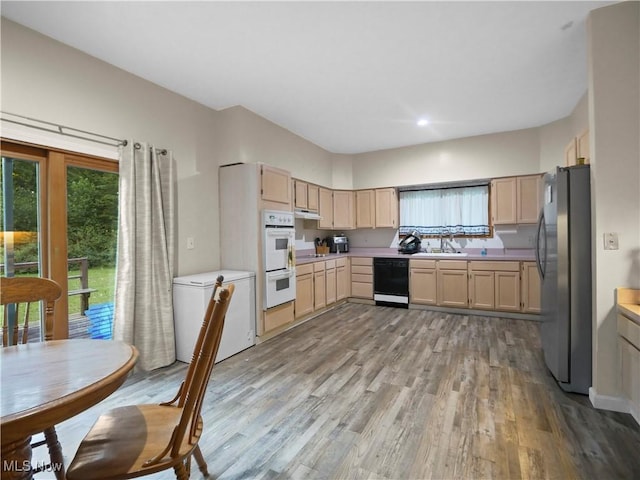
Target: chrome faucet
x=443 y=241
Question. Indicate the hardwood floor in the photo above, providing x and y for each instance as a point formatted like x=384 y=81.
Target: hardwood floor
x=366 y=392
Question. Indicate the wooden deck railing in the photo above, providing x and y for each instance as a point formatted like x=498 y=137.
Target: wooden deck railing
x=83 y=275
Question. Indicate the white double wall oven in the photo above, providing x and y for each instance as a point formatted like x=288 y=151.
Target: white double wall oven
x=278 y=256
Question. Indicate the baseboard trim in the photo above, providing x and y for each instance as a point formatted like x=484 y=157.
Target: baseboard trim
x=607 y=402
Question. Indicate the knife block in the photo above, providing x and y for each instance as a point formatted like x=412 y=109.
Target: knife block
x=322 y=250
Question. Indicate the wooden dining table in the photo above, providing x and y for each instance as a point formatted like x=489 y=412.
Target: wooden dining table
x=46 y=383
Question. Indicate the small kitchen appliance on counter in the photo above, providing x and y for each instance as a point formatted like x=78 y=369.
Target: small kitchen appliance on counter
x=410 y=244
x=338 y=244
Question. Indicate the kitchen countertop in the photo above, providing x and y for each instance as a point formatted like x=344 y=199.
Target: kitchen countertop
x=628 y=303
x=495 y=254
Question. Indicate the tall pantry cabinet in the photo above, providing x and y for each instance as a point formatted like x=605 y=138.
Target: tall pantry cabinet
x=246 y=189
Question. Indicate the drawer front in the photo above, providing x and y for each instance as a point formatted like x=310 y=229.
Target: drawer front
x=329 y=264
x=318 y=267
x=362 y=270
x=304 y=269
x=341 y=262
x=629 y=330
x=422 y=264
x=452 y=264
x=361 y=261
x=361 y=278
x=494 y=266
x=362 y=290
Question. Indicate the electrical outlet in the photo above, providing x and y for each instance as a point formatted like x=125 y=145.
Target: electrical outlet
x=190 y=243
x=611 y=241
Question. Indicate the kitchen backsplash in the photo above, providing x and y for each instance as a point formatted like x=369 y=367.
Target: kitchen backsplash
x=505 y=237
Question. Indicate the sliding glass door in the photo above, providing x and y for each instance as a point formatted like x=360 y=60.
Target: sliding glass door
x=92 y=226
x=21 y=228
x=59 y=220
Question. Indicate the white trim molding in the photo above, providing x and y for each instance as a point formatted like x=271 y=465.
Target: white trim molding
x=53 y=140
x=614 y=404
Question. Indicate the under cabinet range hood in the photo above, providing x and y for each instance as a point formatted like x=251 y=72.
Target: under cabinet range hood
x=307 y=215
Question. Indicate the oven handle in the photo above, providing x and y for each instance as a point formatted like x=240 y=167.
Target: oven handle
x=279 y=232
x=278 y=274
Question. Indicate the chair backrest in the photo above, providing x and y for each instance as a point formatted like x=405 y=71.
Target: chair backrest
x=23 y=291
x=198 y=345
x=204 y=355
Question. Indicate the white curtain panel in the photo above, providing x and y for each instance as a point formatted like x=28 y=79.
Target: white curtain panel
x=458 y=211
x=143 y=297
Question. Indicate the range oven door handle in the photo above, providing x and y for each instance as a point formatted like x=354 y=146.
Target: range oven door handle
x=280 y=274
x=280 y=232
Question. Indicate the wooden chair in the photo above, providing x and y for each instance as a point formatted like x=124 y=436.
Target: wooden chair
x=22 y=292
x=137 y=440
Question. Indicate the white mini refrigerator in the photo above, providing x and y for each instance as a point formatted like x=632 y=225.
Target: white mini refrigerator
x=191 y=295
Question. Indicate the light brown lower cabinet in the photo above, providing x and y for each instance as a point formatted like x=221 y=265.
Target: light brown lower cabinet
x=452 y=283
x=342 y=279
x=304 y=290
x=278 y=316
x=330 y=276
x=508 y=290
x=423 y=282
x=482 y=290
x=494 y=285
x=362 y=277
x=319 y=286
x=530 y=288
x=628 y=325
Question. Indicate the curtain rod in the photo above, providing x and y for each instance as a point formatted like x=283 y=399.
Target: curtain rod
x=59 y=130
x=445 y=185
x=161 y=151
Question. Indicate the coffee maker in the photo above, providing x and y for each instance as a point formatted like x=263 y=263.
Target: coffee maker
x=338 y=244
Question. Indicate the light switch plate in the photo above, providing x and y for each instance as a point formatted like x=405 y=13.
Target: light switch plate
x=190 y=243
x=611 y=241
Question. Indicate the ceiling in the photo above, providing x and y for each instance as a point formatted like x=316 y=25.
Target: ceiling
x=350 y=77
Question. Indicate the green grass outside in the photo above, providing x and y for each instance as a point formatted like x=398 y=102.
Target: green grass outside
x=100 y=278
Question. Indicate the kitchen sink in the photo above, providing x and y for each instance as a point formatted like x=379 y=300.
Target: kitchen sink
x=440 y=254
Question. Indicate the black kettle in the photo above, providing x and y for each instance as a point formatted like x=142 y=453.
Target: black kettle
x=410 y=244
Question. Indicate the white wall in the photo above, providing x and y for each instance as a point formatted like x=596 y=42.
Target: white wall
x=614 y=109
x=47 y=80
x=484 y=156
x=248 y=138
x=555 y=136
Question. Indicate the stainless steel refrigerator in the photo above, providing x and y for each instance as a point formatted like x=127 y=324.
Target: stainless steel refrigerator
x=563 y=254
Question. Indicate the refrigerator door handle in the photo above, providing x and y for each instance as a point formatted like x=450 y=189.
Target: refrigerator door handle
x=541 y=228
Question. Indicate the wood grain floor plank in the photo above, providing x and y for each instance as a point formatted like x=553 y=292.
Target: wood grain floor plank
x=365 y=392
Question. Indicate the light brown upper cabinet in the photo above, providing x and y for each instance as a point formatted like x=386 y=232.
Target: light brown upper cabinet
x=577 y=150
x=376 y=208
x=529 y=196
x=343 y=210
x=325 y=208
x=365 y=209
x=337 y=209
x=306 y=196
x=386 y=207
x=312 y=197
x=515 y=199
x=301 y=195
x=571 y=153
x=275 y=188
x=582 y=143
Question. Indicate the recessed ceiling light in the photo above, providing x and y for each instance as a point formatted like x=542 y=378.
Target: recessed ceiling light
x=422 y=122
